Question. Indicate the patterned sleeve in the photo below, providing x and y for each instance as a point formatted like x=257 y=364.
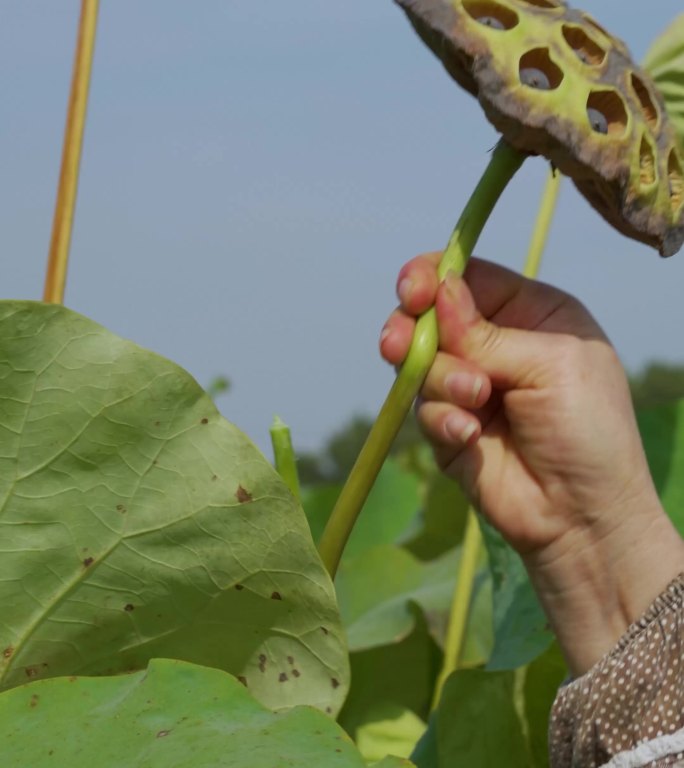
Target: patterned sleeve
x=628 y=710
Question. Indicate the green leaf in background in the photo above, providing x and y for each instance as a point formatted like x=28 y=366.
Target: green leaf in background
x=172 y=714
x=442 y=519
x=138 y=523
x=386 y=517
x=476 y=724
x=377 y=591
x=662 y=432
x=665 y=63
x=543 y=678
x=521 y=631
x=392 y=678
x=395 y=731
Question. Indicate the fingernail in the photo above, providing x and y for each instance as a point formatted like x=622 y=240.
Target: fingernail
x=457 y=431
x=463 y=388
x=386 y=332
x=477 y=388
x=404 y=290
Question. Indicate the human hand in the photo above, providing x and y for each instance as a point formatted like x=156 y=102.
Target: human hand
x=528 y=406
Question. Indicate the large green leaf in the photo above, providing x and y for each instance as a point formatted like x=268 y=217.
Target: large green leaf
x=521 y=631
x=476 y=725
x=395 y=677
x=386 y=516
x=137 y=523
x=172 y=714
x=662 y=432
x=378 y=589
x=393 y=731
x=665 y=63
x=542 y=679
x=442 y=520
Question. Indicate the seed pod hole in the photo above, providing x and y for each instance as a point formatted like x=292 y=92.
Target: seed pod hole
x=587 y=50
x=674 y=172
x=607 y=113
x=539 y=71
x=647 y=163
x=614 y=41
x=491 y=14
x=648 y=105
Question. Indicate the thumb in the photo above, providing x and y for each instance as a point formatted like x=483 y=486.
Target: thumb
x=513 y=358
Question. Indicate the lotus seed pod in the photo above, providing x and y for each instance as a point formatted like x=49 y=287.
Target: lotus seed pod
x=555 y=83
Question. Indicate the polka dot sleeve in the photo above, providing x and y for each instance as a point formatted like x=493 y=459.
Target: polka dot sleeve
x=628 y=710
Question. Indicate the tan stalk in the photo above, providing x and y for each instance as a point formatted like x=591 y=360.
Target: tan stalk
x=55 y=279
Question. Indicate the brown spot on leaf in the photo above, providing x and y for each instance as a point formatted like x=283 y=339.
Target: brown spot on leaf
x=34 y=700
x=328 y=710
x=161 y=734
x=282 y=677
x=243 y=680
x=335 y=682
x=157 y=423
x=7 y=653
x=214 y=477
x=129 y=607
x=290 y=660
x=242 y=495
x=239 y=587
x=31 y=671
x=296 y=672
x=205 y=421
x=88 y=562
x=121 y=508
x=325 y=631
x=262 y=662
x=276 y=596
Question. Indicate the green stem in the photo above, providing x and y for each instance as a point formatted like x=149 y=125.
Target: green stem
x=472 y=542
x=504 y=163
x=284 y=455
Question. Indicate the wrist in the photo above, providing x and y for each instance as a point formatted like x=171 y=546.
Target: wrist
x=594 y=582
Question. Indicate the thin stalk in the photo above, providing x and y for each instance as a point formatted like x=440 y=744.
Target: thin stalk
x=284 y=455
x=472 y=541
x=460 y=604
x=60 y=242
x=503 y=165
x=540 y=235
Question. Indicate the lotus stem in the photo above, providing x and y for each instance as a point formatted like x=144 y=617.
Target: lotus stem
x=472 y=540
x=284 y=455
x=503 y=165
x=62 y=225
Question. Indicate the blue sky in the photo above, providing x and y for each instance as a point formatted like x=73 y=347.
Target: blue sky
x=254 y=175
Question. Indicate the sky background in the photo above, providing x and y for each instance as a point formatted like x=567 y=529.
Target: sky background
x=254 y=175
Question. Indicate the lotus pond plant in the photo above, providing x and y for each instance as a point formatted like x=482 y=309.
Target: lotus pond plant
x=163 y=600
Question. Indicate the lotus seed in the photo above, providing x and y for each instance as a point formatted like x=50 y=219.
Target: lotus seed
x=535 y=78
x=598 y=120
x=490 y=21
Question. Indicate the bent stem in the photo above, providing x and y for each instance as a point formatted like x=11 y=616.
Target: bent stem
x=472 y=541
x=284 y=456
x=503 y=165
x=60 y=242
